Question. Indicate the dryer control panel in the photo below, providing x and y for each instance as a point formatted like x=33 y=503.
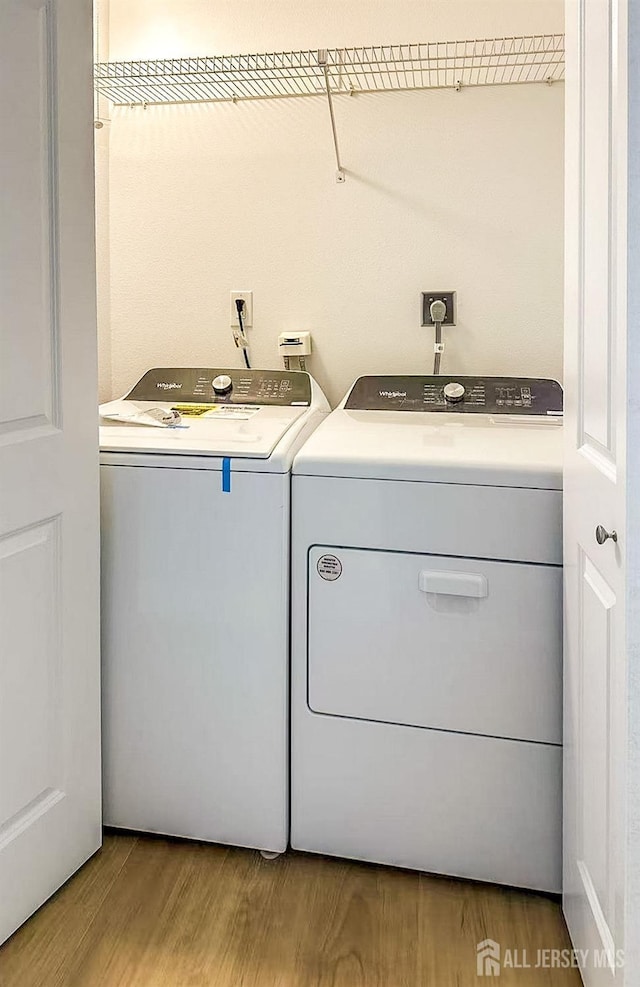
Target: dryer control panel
x=469 y=395
x=212 y=385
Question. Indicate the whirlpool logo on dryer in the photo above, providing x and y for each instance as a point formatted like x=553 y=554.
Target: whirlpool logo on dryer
x=168 y=387
x=392 y=394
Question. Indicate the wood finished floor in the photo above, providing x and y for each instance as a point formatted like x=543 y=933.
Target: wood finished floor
x=152 y=912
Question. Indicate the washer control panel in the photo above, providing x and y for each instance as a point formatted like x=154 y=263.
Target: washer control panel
x=470 y=395
x=212 y=385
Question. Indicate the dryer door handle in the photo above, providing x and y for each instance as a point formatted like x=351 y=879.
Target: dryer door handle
x=472 y=584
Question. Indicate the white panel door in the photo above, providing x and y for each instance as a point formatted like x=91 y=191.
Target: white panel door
x=49 y=556
x=595 y=485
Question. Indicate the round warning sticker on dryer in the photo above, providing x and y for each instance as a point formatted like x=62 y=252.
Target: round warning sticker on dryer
x=329 y=567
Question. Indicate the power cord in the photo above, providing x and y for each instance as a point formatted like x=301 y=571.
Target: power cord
x=240 y=337
x=438 y=311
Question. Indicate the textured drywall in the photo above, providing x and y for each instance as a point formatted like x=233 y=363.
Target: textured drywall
x=102 y=134
x=168 y=28
x=444 y=190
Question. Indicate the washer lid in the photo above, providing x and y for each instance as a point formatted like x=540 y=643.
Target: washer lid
x=246 y=419
x=252 y=435
x=444 y=446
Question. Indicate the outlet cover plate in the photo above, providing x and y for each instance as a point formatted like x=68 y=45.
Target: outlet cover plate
x=247 y=315
x=449 y=299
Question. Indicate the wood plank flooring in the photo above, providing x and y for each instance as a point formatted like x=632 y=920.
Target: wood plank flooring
x=154 y=912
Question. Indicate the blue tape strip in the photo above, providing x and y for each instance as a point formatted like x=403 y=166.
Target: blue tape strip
x=226 y=475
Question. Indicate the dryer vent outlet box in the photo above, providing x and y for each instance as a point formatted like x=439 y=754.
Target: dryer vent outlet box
x=449 y=299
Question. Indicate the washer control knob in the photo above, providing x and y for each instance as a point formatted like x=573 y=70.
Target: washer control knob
x=222 y=384
x=453 y=392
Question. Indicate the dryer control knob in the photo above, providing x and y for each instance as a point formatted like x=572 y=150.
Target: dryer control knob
x=454 y=392
x=222 y=384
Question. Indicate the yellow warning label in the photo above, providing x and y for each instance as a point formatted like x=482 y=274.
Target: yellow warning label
x=194 y=410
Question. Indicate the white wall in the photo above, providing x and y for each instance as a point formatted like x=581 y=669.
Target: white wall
x=103 y=242
x=208 y=198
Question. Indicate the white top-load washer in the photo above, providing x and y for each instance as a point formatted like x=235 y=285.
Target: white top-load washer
x=426 y=628
x=195 y=607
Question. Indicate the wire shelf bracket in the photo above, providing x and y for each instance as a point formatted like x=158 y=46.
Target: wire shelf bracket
x=334 y=72
x=323 y=62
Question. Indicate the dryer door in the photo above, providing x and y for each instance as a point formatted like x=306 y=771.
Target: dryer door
x=447 y=643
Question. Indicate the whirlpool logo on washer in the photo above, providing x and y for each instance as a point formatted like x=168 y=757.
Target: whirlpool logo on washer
x=162 y=384
x=329 y=567
x=392 y=394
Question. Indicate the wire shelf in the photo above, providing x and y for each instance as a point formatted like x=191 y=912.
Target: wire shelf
x=438 y=64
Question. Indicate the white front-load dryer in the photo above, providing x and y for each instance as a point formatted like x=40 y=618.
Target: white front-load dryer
x=426 y=629
x=195 y=602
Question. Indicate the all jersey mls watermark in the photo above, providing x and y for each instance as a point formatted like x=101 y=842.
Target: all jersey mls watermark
x=492 y=959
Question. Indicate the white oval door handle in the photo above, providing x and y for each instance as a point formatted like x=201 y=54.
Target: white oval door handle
x=602 y=535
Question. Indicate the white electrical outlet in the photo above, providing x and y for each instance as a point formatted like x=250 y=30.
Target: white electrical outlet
x=247 y=312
